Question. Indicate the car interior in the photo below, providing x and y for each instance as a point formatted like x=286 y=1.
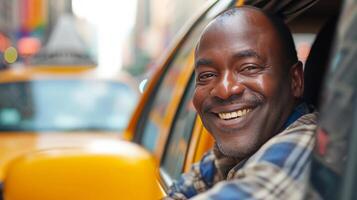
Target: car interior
x=333 y=174
x=317 y=62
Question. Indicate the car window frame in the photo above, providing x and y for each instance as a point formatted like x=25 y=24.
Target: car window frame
x=166 y=177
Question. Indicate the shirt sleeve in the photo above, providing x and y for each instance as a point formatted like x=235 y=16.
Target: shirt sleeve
x=199 y=179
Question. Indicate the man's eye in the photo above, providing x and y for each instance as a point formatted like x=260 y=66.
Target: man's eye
x=251 y=69
x=205 y=76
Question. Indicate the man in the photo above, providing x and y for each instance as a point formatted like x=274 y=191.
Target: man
x=249 y=84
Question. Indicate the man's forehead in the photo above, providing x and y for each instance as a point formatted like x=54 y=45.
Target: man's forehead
x=239 y=19
x=235 y=26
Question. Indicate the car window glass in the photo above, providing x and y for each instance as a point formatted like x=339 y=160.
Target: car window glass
x=180 y=135
x=165 y=92
x=65 y=105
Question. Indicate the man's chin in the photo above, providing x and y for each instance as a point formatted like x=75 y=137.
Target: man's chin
x=232 y=152
x=237 y=150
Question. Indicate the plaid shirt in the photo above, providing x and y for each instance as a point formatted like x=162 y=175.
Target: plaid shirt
x=278 y=170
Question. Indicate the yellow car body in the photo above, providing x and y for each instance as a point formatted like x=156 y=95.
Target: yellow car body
x=17 y=141
x=83 y=173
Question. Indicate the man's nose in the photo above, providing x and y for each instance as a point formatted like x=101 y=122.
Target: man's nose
x=227 y=86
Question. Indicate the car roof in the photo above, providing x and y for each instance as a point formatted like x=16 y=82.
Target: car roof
x=28 y=73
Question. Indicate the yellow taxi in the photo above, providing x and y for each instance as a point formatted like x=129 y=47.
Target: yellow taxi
x=63 y=106
x=164 y=123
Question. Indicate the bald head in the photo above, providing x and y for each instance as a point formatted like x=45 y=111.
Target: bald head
x=240 y=17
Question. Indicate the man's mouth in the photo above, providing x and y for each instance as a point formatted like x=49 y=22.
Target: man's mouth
x=234 y=114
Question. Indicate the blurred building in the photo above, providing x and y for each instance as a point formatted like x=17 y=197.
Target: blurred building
x=7 y=15
x=56 y=8
x=157 y=22
x=65 y=46
x=27 y=23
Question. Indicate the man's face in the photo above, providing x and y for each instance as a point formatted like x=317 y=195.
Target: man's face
x=242 y=91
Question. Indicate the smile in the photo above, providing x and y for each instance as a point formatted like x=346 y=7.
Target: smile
x=234 y=114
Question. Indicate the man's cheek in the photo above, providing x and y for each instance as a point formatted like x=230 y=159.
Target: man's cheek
x=196 y=100
x=267 y=86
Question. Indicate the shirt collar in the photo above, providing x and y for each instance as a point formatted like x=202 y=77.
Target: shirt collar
x=300 y=110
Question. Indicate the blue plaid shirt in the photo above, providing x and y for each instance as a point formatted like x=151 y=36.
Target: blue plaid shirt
x=278 y=170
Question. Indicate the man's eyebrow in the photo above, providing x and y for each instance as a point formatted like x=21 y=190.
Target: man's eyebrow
x=203 y=61
x=247 y=53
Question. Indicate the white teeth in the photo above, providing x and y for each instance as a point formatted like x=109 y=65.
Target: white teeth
x=240 y=113
x=235 y=114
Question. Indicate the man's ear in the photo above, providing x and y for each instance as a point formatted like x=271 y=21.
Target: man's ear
x=297 y=79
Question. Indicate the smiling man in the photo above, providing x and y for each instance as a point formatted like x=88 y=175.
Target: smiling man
x=249 y=85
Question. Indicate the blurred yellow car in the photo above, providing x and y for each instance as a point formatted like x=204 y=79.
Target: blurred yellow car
x=46 y=107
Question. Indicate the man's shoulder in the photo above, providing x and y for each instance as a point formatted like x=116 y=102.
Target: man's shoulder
x=307 y=119
x=305 y=124
x=302 y=129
